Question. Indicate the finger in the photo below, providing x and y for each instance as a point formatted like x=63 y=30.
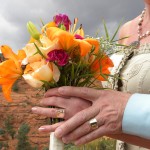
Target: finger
x=49 y=112
x=91 y=136
x=50 y=128
x=81 y=92
x=83 y=130
x=52 y=92
x=55 y=101
x=76 y=121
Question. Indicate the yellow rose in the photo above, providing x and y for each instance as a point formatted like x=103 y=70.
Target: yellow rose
x=31 y=55
x=48 y=45
x=40 y=71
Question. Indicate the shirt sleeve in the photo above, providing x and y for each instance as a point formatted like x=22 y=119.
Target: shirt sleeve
x=136 y=118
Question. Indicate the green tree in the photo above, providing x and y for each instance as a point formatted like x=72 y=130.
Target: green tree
x=23 y=141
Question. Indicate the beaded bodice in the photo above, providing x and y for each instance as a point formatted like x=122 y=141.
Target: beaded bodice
x=134 y=72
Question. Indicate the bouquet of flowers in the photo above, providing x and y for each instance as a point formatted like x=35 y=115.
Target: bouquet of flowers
x=58 y=55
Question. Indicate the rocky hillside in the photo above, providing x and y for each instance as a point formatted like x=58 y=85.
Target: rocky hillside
x=24 y=98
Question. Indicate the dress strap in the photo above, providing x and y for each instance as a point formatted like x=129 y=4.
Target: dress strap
x=122 y=57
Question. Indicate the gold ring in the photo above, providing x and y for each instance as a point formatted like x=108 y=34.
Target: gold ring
x=60 y=113
x=93 y=123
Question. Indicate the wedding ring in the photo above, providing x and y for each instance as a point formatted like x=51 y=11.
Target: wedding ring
x=93 y=124
x=60 y=113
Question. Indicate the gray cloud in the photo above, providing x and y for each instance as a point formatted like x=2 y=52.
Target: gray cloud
x=15 y=14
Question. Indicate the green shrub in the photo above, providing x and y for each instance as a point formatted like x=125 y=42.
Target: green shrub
x=9 y=127
x=2 y=131
x=15 y=87
x=3 y=145
x=100 y=144
x=23 y=141
x=46 y=148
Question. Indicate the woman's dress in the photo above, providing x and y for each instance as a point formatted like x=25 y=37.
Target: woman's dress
x=134 y=70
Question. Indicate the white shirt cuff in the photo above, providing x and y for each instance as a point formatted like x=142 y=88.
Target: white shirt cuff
x=136 y=119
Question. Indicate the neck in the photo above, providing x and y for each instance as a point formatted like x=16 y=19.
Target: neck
x=147 y=15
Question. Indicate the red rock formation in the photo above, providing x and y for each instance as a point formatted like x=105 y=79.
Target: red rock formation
x=20 y=110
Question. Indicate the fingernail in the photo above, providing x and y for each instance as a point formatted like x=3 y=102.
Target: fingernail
x=58 y=132
x=61 y=90
x=41 y=129
x=34 y=108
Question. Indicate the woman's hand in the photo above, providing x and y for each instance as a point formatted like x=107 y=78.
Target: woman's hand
x=70 y=105
x=107 y=108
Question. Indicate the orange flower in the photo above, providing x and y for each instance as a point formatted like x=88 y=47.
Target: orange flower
x=10 y=70
x=101 y=67
x=48 y=25
x=67 y=40
x=95 y=43
x=85 y=47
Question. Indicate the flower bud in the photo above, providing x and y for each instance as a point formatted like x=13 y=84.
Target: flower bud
x=33 y=30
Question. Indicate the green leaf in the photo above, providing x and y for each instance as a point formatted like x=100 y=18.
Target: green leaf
x=78 y=67
x=72 y=72
x=38 y=50
x=42 y=22
x=106 y=31
x=48 y=85
x=116 y=31
x=121 y=39
x=92 y=49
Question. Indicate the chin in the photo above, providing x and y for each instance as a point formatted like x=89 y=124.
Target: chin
x=147 y=1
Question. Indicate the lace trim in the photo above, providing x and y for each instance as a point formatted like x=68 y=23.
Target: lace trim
x=113 y=82
x=127 y=53
x=143 y=49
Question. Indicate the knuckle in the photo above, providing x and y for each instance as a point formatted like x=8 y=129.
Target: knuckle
x=49 y=101
x=53 y=100
x=101 y=121
x=84 y=91
x=87 y=128
x=41 y=111
x=69 y=90
x=52 y=113
x=82 y=116
x=72 y=136
x=66 y=127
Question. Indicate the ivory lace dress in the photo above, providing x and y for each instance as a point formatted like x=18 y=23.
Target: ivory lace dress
x=135 y=74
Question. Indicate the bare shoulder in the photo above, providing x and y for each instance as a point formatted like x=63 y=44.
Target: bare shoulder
x=125 y=28
x=128 y=30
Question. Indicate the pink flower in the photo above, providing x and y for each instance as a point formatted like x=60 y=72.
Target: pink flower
x=58 y=56
x=77 y=36
x=62 y=19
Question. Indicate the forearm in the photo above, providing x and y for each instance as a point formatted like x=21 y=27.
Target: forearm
x=132 y=140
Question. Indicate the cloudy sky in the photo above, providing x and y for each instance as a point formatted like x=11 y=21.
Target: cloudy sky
x=14 y=14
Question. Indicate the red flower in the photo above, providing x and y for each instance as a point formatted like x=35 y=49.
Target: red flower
x=58 y=56
x=62 y=19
